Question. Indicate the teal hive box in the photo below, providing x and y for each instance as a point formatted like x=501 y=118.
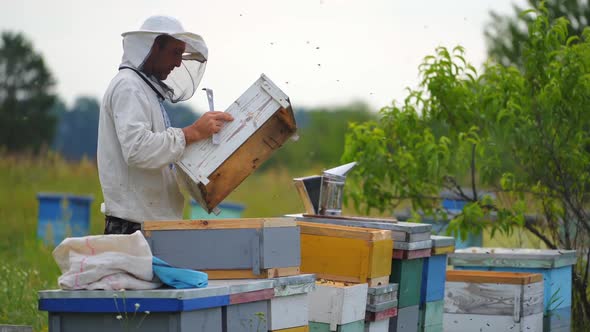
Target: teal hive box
x=228 y=210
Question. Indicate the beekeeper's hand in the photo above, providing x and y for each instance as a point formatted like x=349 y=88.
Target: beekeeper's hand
x=207 y=125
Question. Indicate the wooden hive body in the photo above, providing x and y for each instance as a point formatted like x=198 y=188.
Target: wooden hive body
x=554 y=265
x=346 y=253
x=289 y=308
x=334 y=305
x=263 y=121
x=228 y=248
x=502 y=301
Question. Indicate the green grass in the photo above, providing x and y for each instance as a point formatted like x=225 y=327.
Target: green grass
x=27 y=264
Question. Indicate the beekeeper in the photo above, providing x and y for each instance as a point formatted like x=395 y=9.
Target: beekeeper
x=137 y=147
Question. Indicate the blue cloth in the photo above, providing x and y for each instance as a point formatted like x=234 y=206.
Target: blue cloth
x=177 y=277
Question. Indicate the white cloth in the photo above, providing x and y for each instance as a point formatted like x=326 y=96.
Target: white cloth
x=134 y=151
x=109 y=262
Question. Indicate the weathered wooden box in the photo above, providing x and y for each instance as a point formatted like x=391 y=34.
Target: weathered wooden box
x=493 y=301
x=381 y=306
x=433 y=279
x=410 y=240
x=289 y=308
x=554 y=265
x=159 y=310
x=431 y=316
x=263 y=121
x=228 y=248
x=442 y=245
x=407 y=273
x=434 y=271
x=336 y=304
x=406 y=320
x=344 y=253
x=381 y=294
x=247 y=309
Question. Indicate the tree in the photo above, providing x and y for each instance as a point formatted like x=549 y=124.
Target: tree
x=77 y=130
x=523 y=135
x=505 y=35
x=321 y=137
x=25 y=95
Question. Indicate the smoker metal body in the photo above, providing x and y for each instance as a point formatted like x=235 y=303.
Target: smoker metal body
x=322 y=195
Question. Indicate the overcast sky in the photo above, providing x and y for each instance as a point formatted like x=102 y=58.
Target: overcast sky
x=319 y=52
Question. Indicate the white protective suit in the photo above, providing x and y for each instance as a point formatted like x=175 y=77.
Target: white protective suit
x=136 y=150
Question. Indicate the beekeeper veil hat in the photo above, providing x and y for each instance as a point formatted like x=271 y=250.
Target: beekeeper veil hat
x=183 y=81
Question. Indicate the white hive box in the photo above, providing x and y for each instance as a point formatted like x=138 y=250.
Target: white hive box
x=263 y=121
x=337 y=303
x=490 y=301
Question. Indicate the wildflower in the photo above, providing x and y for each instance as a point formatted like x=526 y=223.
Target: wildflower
x=119 y=317
x=137 y=306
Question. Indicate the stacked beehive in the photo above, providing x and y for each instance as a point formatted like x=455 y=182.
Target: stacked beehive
x=289 y=308
x=493 y=301
x=554 y=265
x=407 y=269
x=235 y=251
x=337 y=306
x=411 y=244
x=347 y=260
x=433 y=284
x=381 y=306
x=247 y=309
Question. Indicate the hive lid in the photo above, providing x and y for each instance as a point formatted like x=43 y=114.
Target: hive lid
x=442 y=241
x=487 y=277
x=368 y=234
x=517 y=257
x=383 y=289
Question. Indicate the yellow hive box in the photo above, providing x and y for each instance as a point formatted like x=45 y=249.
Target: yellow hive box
x=349 y=254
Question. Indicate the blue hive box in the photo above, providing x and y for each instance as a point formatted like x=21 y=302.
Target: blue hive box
x=62 y=215
x=159 y=310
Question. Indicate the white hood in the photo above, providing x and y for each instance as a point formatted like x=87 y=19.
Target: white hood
x=183 y=81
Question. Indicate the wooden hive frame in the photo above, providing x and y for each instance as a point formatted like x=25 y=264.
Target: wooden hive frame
x=263 y=121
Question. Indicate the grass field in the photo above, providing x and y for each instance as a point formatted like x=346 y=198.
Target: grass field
x=26 y=265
